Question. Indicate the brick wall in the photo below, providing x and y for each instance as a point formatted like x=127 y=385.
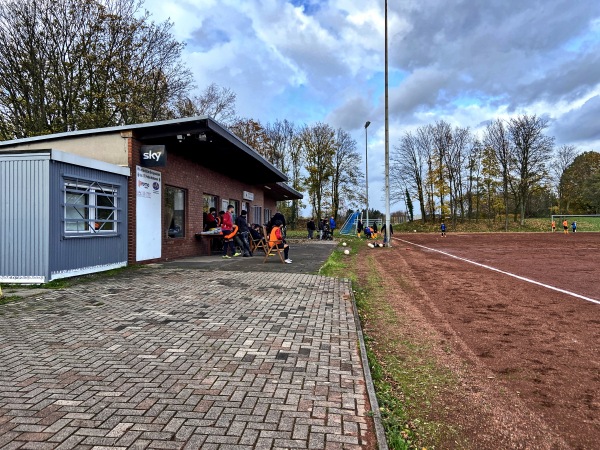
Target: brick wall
x=196 y=180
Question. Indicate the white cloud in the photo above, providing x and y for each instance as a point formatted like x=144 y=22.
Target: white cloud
x=462 y=61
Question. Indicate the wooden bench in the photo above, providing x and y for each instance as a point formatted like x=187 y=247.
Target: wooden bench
x=210 y=237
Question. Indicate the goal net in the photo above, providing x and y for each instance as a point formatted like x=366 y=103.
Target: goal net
x=590 y=222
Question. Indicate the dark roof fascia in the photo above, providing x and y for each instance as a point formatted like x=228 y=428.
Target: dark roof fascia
x=281 y=191
x=195 y=121
x=92 y=131
x=226 y=134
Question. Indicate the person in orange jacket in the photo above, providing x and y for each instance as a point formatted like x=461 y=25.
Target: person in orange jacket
x=276 y=240
x=566 y=226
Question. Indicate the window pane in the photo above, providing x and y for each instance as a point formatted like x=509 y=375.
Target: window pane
x=77 y=211
x=257 y=215
x=210 y=201
x=105 y=213
x=175 y=212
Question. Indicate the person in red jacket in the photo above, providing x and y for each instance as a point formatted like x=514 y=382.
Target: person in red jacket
x=210 y=219
x=227 y=228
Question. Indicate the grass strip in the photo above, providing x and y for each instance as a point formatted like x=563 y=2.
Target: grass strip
x=406 y=377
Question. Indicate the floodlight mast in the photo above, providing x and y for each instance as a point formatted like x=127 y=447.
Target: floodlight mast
x=387 y=138
x=367 y=123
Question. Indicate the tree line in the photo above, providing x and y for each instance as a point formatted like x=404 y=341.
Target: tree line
x=78 y=64
x=510 y=168
x=322 y=161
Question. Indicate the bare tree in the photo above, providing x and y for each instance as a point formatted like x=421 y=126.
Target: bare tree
x=531 y=150
x=75 y=64
x=441 y=134
x=215 y=101
x=252 y=133
x=474 y=167
x=281 y=136
x=408 y=166
x=296 y=158
x=455 y=159
x=564 y=157
x=496 y=138
x=346 y=173
x=285 y=154
x=490 y=170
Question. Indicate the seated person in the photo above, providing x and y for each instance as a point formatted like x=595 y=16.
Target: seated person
x=276 y=240
x=210 y=219
x=368 y=232
x=255 y=232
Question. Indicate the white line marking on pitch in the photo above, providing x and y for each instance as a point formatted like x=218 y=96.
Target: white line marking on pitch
x=529 y=280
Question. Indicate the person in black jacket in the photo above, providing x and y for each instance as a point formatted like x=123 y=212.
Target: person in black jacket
x=384 y=231
x=278 y=217
x=310 y=227
x=243 y=232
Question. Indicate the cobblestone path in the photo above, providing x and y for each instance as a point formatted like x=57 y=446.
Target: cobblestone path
x=179 y=358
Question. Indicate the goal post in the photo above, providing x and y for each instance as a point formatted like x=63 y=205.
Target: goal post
x=349 y=227
x=584 y=222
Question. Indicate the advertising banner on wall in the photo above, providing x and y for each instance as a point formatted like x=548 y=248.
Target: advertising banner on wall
x=148 y=217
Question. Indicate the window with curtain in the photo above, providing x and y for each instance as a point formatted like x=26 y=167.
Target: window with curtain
x=256 y=215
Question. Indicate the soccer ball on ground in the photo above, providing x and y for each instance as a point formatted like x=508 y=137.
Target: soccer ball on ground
x=344 y=244
x=346 y=252
x=371 y=245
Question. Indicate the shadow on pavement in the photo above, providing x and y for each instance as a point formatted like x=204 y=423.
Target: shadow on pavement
x=307 y=257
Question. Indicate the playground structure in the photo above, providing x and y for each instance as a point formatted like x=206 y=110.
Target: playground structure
x=351 y=224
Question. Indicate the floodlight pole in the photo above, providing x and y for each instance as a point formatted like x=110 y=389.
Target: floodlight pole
x=367 y=123
x=387 y=138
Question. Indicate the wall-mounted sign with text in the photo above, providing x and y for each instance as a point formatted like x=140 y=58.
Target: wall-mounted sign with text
x=153 y=156
x=248 y=195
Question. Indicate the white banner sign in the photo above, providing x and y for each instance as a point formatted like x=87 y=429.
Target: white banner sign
x=148 y=218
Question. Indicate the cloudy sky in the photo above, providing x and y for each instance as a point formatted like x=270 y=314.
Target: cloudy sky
x=466 y=62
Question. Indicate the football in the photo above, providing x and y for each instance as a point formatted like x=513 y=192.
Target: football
x=344 y=244
x=346 y=252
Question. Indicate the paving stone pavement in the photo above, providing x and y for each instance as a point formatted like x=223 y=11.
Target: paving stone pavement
x=175 y=358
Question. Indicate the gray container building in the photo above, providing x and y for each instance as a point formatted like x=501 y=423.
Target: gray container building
x=61 y=215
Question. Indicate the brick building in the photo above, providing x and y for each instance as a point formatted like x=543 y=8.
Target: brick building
x=179 y=168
